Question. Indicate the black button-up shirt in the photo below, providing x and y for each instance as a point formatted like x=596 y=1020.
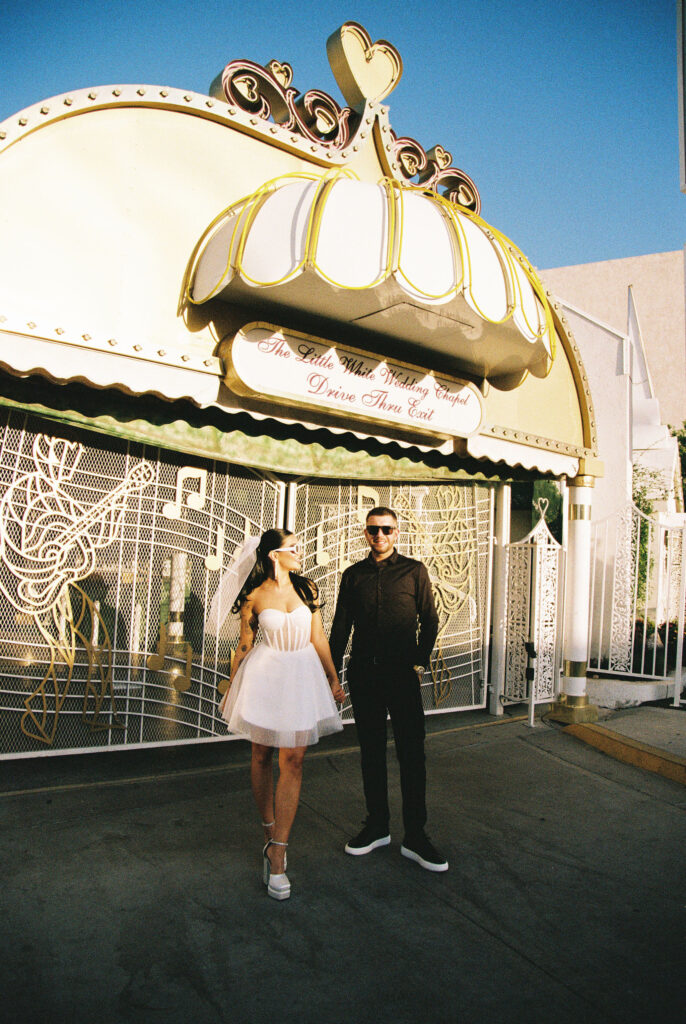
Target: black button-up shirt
x=385 y=602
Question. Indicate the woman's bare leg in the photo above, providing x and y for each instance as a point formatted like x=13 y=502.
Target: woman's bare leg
x=286 y=803
x=262 y=779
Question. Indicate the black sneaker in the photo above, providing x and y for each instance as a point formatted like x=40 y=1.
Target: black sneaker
x=424 y=853
x=368 y=839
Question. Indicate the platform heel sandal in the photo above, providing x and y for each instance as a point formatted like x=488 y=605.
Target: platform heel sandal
x=278 y=886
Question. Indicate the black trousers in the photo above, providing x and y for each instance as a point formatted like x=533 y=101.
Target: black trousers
x=377 y=691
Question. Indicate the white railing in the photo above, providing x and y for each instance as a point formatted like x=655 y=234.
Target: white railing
x=638 y=597
x=533 y=568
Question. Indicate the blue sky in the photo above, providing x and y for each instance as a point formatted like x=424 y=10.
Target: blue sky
x=564 y=113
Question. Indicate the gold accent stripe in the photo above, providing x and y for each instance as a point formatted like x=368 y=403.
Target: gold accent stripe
x=574 y=669
x=576 y=701
x=579 y=512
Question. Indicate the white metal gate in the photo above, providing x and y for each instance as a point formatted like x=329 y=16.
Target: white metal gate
x=110 y=553
x=533 y=570
x=638 y=597
x=450 y=529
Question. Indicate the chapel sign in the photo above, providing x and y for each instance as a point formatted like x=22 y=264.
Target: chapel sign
x=297 y=370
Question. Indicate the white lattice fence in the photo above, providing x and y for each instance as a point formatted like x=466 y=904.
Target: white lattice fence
x=533 y=570
x=637 y=596
x=109 y=555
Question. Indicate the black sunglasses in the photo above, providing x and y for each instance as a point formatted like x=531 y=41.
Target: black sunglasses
x=373 y=530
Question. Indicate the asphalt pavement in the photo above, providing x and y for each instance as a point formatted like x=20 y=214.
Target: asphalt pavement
x=133 y=888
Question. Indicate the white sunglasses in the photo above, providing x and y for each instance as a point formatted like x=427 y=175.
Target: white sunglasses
x=294 y=550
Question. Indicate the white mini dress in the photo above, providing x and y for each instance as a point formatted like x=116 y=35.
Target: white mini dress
x=280 y=696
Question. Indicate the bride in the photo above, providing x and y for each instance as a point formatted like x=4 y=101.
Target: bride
x=282 y=692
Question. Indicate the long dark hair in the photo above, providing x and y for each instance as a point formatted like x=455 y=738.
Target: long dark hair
x=305 y=588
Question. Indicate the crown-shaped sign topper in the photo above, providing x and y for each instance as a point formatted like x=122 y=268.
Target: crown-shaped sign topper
x=366 y=73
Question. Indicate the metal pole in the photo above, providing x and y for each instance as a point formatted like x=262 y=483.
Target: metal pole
x=486 y=631
x=499 y=619
x=533 y=619
x=680 y=624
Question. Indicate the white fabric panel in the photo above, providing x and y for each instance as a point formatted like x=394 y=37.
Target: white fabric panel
x=277 y=236
x=353 y=238
x=484 y=285
x=528 y=314
x=427 y=261
x=215 y=263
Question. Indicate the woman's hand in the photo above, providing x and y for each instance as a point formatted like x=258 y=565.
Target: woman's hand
x=337 y=690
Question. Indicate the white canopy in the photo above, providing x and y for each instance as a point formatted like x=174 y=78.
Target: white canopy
x=386 y=258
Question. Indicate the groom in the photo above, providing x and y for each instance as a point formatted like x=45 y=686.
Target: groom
x=383 y=599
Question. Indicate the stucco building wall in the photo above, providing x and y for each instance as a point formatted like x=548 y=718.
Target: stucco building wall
x=605 y=358
x=601 y=289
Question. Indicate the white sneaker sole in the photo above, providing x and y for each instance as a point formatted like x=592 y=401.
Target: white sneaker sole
x=358 y=851
x=411 y=855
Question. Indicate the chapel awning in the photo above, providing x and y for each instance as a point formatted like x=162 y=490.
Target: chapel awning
x=383 y=258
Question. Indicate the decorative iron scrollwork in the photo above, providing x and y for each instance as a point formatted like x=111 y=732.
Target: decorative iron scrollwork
x=532 y=569
x=627 y=547
x=267 y=93
x=432 y=170
x=50 y=539
x=448 y=546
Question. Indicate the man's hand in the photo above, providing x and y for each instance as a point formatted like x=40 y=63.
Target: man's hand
x=420 y=670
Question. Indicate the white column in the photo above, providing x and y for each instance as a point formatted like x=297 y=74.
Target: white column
x=573 y=703
x=291 y=505
x=177 y=596
x=502 y=539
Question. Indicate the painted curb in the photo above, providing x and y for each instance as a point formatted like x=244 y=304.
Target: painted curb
x=631 y=751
